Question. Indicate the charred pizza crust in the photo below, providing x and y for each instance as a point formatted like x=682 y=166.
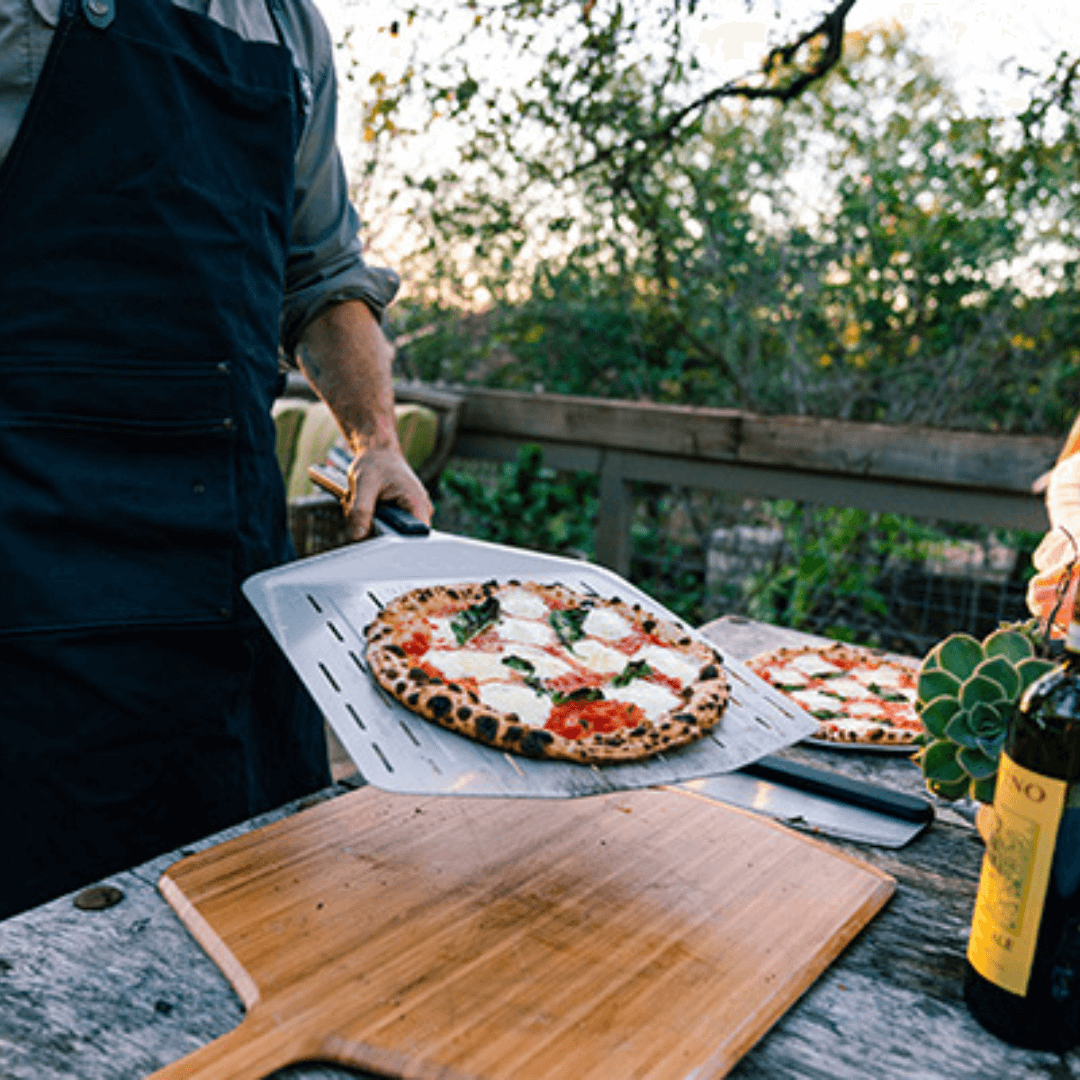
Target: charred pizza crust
x=882 y=714
x=395 y=657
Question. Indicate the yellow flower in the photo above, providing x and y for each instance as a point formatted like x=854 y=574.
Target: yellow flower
x=824 y=360
x=850 y=335
x=534 y=334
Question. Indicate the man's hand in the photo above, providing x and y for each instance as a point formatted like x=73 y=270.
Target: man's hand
x=347 y=359
x=382 y=476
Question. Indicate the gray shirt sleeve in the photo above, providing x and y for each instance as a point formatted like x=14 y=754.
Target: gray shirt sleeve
x=325 y=262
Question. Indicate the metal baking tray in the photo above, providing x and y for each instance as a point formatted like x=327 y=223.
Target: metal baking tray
x=317 y=610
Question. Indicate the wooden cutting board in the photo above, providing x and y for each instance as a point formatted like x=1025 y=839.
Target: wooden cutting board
x=645 y=934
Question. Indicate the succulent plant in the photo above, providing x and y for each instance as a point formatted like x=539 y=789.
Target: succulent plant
x=967 y=691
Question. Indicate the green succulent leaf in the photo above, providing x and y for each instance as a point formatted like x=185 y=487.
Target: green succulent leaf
x=939 y=762
x=950 y=789
x=1004 y=673
x=992 y=747
x=1011 y=645
x=1030 y=670
x=937 y=683
x=977 y=764
x=960 y=730
x=983 y=790
x=980 y=689
x=938 y=713
x=960 y=655
x=930 y=661
x=988 y=721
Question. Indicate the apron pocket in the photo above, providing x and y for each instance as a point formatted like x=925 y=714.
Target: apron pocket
x=117 y=493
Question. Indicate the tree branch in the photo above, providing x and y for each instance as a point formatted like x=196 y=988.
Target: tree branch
x=830 y=29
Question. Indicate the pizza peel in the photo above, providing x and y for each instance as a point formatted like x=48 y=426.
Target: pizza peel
x=317 y=609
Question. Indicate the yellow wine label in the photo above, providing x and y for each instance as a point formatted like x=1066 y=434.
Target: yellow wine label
x=1015 y=875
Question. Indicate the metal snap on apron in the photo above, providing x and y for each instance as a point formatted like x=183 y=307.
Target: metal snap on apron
x=145 y=210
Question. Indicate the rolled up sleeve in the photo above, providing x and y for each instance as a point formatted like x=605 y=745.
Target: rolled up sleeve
x=325 y=264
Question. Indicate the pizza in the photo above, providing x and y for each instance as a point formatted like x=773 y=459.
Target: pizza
x=546 y=671
x=858 y=695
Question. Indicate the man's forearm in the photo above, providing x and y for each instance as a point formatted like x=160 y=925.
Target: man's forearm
x=348 y=360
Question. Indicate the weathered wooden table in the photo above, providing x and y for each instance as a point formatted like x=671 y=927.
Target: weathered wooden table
x=120 y=992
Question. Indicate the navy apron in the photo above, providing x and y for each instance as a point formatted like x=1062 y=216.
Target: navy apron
x=145 y=211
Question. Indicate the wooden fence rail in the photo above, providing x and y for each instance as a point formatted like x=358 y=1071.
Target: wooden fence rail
x=958 y=476
x=971 y=477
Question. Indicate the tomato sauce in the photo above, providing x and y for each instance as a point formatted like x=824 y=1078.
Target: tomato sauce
x=661 y=679
x=573 y=719
x=632 y=642
x=416 y=645
x=575 y=680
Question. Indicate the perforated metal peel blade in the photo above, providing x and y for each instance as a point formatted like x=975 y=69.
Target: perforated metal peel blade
x=317 y=610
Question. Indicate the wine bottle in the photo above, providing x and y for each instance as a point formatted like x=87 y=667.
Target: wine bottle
x=1022 y=979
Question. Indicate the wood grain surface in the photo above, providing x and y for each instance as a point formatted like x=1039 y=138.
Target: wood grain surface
x=643 y=934
x=119 y=993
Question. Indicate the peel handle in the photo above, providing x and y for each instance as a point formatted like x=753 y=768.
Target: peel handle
x=336 y=480
x=842 y=788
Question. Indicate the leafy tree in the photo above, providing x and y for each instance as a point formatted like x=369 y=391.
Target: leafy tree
x=865 y=251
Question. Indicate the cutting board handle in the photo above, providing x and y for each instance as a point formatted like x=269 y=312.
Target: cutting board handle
x=251 y=1051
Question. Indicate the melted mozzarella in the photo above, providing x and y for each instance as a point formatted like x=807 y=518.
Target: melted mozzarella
x=673 y=665
x=814 y=699
x=532 y=709
x=847 y=688
x=527 y=631
x=545 y=666
x=521 y=604
x=863 y=708
x=653 y=700
x=599 y=657
x=460 y=664
x=810 y=664
x=441 y=632
x=606 y=625
x=885 y=677
x=788 y=676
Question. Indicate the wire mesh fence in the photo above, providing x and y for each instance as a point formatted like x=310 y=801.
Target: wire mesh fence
x=873 y=579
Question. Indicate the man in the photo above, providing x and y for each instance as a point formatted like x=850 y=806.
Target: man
x=172 y=208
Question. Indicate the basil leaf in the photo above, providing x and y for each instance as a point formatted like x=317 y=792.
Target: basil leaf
x=470 y=622
x=636 y=669
x=569 y=625
x=519 y=663
x=582 y=693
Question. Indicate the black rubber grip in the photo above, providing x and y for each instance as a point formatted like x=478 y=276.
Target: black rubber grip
x=842 y=788
x=401 y=521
